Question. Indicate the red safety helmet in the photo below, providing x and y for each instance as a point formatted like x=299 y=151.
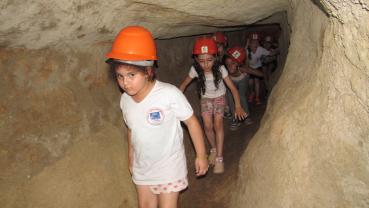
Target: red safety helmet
x=237 y=54
x=133 y=43
x=220 y=38
x=204 y=46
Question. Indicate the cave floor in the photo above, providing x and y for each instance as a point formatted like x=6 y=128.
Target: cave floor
x=214 y=190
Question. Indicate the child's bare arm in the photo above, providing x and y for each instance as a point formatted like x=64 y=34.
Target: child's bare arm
x=246 y=69
x=197 y=136
x=239 y=111
x=130 y=151
x=185 y=83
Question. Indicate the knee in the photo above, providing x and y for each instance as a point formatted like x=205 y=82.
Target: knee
x=219 y=125
x=146 y=204
x=208 y=127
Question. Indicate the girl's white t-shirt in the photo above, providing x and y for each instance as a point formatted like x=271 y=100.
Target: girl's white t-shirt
x=156 y=134
x=255 y=61
x=211 y=90
x=240 y=77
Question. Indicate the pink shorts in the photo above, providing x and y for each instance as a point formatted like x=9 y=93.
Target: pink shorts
x=212 y=106
x=175 y=186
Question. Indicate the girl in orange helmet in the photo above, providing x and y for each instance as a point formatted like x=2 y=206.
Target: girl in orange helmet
x=211 y=77
x=152 y=111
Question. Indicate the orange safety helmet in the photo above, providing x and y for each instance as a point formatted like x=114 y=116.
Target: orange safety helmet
x=133 y=43
x=220 y=38
x=237 y=54
x=205 y=46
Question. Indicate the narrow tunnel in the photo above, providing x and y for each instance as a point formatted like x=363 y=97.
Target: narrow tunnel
x=62 y=138
x=219 y=187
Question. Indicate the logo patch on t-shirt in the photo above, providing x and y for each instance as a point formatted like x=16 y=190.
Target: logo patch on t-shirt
x=155 y=116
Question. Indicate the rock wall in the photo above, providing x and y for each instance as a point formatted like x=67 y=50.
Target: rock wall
x=78 y=23
x=312 y=147
x=62 y=142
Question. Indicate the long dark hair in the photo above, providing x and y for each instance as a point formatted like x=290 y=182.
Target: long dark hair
x=201 y=76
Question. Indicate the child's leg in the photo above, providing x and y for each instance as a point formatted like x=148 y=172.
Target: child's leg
x=251 y=90
x=209 y=129
x=168 y=200
x=209 y=132
x=219 y=104
x=207 y=117
x=251 y=85
x=146 y=199
x=257 y=87
x=242 y=88
x=266 y=72
x=230 y=101
x=219 y=133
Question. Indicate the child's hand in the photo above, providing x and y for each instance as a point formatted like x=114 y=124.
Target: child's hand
x=240 y=114
x=201 y=165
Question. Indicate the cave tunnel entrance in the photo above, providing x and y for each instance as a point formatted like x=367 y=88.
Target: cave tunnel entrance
x=214 y=190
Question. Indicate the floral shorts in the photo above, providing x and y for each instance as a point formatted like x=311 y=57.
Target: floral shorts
x=175 y=186
x=212 y=106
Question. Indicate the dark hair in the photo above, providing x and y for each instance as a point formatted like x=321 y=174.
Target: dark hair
x=249 y=53
x=201 y=76
x=114 y=64
x=226 y=56
x=249 y=56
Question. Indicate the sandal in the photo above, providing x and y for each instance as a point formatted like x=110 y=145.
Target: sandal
x=212 y=156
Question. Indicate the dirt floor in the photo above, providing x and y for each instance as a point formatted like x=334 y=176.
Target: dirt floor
x=214 y=190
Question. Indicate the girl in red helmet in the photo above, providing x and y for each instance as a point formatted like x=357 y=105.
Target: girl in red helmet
x=239 y=73
x=211 y=80
x=234 y=58
x=221 y=41
x=152 y=111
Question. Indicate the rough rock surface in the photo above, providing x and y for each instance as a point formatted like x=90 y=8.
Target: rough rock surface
x=312 y=148
x=61 y=134
x=40 y=24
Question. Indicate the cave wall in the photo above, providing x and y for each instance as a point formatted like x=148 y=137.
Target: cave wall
x=62 y=142
x=312 y=147
x=62 y=138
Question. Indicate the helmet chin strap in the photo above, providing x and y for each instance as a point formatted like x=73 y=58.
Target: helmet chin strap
x=138 y=63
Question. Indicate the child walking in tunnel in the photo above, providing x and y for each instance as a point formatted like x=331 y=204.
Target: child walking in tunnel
x=152 y=111
x=269 y=62
x=221 y=41
x=210 y=76
x=254 y=54
x=234 y=58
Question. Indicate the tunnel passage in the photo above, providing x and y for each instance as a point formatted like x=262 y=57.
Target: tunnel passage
x=62 y=137
x=176 y=53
